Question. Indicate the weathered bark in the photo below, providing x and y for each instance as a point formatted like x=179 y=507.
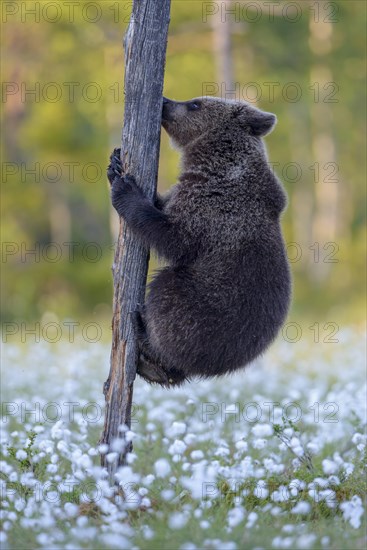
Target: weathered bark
x=145 y=52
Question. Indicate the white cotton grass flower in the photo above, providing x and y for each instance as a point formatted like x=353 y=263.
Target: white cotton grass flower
x=288 y=528
x=145 y=502
x=259 y=443
x=272 y=467
x=302 y=508
x=38 y=429
x=149 y=479
x=113 y=540
x=262 y=430
x=235 y=516
x=177 y=520
x=222 y=451
x=162 y=467
x=190 y=439
x=204 y=524
x=306 y=541
x=319 y=482
x=241 y=445
x=295 y=486
x=21 y=454
x=314 y=447
x=118 y=445
x=283 y=542
x=44 y=540
x=261 y=490
x=178 y=447
x=126 y=476
x=251 y=520
x=297 y=447
x=334 y=480
x=5 y=468
x=147 y=532
x=71 y=509
x=281 y=494
x=360 y=441
x=326 y=495
x=63 y=447
x=329 y=466
x=131 y=458
x=177 y=428
x=92 y=452
x=112 y=457
x=247 y=467
x=202 y=483
x=353 y=511
x=130 y=435
x=167 y=494
x=197 y=454
x=19 y=504
x=348 y=468
x=59 y=430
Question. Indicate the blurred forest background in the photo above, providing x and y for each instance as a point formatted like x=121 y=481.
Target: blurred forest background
x=62 y=110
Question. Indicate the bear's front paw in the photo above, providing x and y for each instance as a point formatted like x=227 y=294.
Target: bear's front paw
x=125 y=194
x=114 y=169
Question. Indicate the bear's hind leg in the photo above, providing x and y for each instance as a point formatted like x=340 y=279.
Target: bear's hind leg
x=149 y=366
x=152 y=372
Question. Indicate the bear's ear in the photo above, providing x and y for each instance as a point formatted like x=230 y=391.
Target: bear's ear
x=261 y=123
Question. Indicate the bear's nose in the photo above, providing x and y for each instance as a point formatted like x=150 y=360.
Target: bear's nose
x=166 y=108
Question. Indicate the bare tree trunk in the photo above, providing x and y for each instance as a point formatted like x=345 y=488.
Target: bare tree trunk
x=223 y=50
x=145 y=52
x=325 y=227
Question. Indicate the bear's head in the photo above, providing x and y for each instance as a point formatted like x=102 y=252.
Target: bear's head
x=187 y=121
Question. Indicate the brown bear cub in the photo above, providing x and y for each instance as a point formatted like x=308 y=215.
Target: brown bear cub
x=225 y=292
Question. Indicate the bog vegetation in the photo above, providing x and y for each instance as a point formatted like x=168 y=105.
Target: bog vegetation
x=271 y=458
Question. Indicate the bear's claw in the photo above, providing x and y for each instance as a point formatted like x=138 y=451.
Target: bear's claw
x=115 y=167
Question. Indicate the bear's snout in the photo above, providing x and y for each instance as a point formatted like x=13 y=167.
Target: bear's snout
x=167 y=109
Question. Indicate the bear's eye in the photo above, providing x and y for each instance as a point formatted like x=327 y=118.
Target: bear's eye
x=193 y=105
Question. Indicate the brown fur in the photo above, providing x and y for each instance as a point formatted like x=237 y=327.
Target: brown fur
x=226 y=291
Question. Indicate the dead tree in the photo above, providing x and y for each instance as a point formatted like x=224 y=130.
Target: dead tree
x=222 y=42
x=145 y=51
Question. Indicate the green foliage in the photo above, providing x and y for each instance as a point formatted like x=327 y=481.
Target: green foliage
x=25 y=464
x=280 y=432
x=74 y=128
